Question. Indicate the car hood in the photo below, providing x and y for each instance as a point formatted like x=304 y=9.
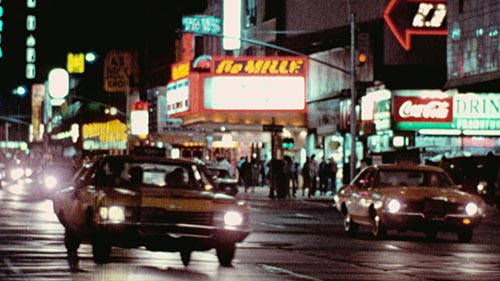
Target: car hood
x=174 y=200
x=420 y=193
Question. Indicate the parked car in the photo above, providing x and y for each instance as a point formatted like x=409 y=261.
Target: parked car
x=158 y=203
x=223 y=178
x=478 y=174
x=412 y=197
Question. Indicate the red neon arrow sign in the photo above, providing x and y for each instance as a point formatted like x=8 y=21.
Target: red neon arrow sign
x=403 y=33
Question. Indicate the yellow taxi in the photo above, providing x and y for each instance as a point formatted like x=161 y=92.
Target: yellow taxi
x=157 y=203
x=415 y=197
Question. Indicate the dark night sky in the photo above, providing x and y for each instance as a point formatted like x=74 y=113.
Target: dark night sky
x=78 y=26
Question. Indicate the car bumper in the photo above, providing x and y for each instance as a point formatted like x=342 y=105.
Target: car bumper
x=170 y=237
x=419 y=222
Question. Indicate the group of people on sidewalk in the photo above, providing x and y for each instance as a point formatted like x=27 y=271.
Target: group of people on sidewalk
x=285 y=177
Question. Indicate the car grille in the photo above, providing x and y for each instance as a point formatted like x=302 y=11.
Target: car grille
x=158 y=215
x=433 y=208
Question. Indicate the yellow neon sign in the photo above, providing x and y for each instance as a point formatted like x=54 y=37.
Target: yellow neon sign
x=260 y=66
x=75 y=63
x=111 y=131
x=180 y=71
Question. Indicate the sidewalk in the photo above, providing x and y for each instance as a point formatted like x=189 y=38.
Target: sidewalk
x=261 y=193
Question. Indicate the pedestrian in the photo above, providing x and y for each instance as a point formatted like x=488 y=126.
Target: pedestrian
x=294 y=175
x=272 y=178
x=324 y=176
x=224 y=162
x=306 y=177
x=289 y=174
x=313 y=171
x=246 y=173
x=333 y=174
x=264 y=169
x=238 y=167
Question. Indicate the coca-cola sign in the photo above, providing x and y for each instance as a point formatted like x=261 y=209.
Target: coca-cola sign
x=416 y=109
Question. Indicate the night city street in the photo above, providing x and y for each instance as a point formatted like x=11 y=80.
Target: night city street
x=250 y=140
x=292 y=239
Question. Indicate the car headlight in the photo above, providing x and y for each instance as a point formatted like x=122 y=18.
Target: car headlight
x=233 y=218
x=471 y=209
x=113 y=213
x=50 y=182
x=393 y=205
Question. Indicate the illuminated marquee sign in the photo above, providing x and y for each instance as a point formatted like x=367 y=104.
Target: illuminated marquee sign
x=178 y=97
x=406 y=18
x=266 y=66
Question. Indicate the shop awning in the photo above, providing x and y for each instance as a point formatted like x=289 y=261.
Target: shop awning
x=488 y=82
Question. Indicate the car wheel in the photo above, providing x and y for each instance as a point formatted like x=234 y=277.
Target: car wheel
x=465 y=235
x=349 y=225
x=185 y=257
x=71 y=241
x=225 y=254
x=101 y=249
x=379 y=230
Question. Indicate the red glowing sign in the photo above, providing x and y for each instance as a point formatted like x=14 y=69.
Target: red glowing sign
x=416 y=109
x=406 y=18
x=140 y=106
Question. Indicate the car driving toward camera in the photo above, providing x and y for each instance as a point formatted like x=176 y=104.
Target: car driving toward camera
x=415 y=197
x=157 y=203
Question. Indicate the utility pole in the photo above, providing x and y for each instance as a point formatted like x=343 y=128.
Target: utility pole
x=353 y=127
x=7 y=125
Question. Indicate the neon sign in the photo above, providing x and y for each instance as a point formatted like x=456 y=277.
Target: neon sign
x=30 y=42
x=180 y=70
x=1 y=29
x=416 y=109
x=279 y=66
x=406 y=18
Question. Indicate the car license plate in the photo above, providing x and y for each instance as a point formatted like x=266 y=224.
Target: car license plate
x=434 y=208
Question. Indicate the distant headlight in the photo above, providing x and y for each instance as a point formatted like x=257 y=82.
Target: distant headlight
x=482 y=187
x=471 y=209
x=393 y=206
x=50 y=182
x=113 y=213
x=28 y=172
x=16 y=173
x=233 y=218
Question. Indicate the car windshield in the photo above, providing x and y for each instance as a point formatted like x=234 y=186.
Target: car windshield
x=394 y=178
x=152 y=174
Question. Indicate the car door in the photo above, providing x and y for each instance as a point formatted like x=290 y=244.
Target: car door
x=360 y=194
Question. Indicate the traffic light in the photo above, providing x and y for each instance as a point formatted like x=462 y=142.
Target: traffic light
x=361 y=59
x=363 y=47
x=287 y=143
